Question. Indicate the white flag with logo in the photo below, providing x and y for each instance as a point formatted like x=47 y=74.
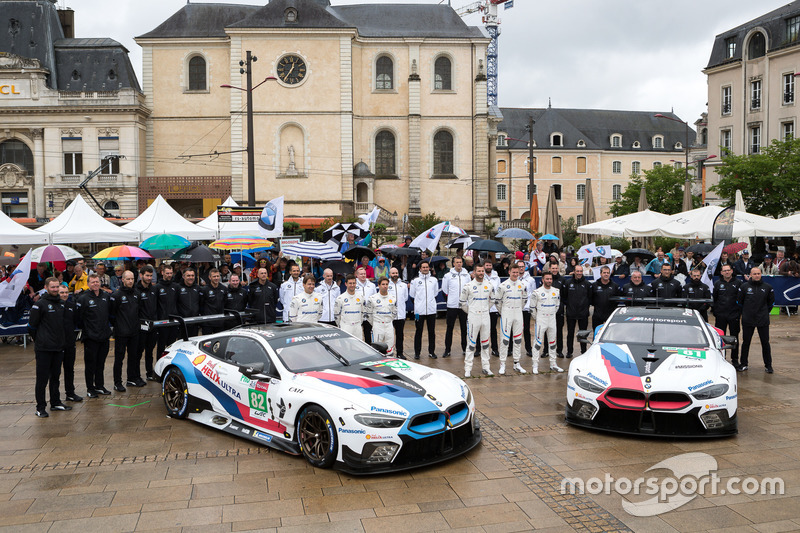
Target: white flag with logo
x=10 y=288
x=429 y=239
x=711 y=261
x=271 y=221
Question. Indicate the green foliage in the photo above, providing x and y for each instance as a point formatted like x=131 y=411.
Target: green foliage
x=618 y=243
x=417 y=225
x=664 y=192
x=378 y=234
x=291 y=228
x=665 y=243
x=768 y=179
x=569 y=232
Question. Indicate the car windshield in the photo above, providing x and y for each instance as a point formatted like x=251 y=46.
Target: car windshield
x=305 y=353
x=655 y=333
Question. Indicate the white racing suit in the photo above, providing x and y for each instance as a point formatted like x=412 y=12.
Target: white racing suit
x=381 y=312
x=476 y=299
x=348 y=310
x=305 y=308
x=511 y=298
x=544 y=306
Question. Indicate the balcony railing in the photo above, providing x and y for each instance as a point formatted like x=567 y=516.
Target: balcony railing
x=71 y=178
x=107 y=178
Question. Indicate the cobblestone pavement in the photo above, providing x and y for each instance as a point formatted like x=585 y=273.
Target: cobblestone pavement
x=119 y=464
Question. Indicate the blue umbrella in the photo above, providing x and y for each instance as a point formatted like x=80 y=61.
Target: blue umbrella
x=515 y=233
x=243 y=257
x=549 y=237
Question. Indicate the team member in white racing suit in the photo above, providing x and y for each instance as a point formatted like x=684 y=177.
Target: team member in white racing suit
x=306 y=306
x=511 y=297
x=348 y=310
x=381 y=311
x=544 y=305
x=289 y=289
x=477 y=297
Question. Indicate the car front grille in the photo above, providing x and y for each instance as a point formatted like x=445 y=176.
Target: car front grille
x=668 y=401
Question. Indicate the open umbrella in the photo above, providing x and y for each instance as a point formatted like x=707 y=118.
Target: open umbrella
x=338 y=232
x=338 y=267
x=54 y=252
x=357 y=252
x=197 y=254
x=549 y=237
x=242 y=242
x=645 y=255
x=314 y=249
x=385 y=247
x=164 y=244
x=243 y=257
x=735 y=247
x=403 y=250
x=701 y=248
x=438 y=259
x=122 y=252
x=462 y=241
x=488 y=245
x=515 y=233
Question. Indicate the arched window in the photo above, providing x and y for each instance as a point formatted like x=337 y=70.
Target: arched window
x=197 y=74
x=636 y=167
x=112 y=207
x=704 y=136
x=556 y=139
x=616 y=141
x=556 y=165
x=581 y=165
x=757 y=46
x=616 y=167
x=443 y=153
x=658 y=141
x=501 y=192
x=616 y=192
x=580 y=191
x=362 y=192
x=385 y=154
x=442 y=74
x=18 y=153
x=384 y=73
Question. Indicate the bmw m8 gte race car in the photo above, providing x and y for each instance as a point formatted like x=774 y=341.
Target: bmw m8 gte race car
x=317 y=391
x=654 y=371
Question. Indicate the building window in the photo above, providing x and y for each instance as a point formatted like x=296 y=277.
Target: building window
x=679 y=145
x=792 y=29
x=556 y=140
x=788 y=88
x=656 y=164
x=704 y=136
x=384 y=73
x=557 y=191
x=502 y=214
x=727 y=100
x=527 y=166
x=556 y=165
x=757 y=47
x=442 y=74
x=501 y=192
x=73 y=155
x=581 y=143
x=730 y=47
x=658 y=141
x=501 y=166
x=725 y=139
x=15 y=204
x=616 y=141
x=636 y=168
x=678 y=164
x=197 y=74
x=616 y=167
x=109 y=146
x=579 y=220
x=17 y=153
x=502 y=139
x=787 y=130
x=385 y=154
x=616 y=192
x=581 y=165
x=755 y=95
x=580 y=191
x=755 y=139
x=443 y=153
x=637 y=144
x=112 y=207
x=528 y=191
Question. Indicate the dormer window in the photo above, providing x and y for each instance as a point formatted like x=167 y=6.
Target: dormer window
x=502 y=140
x=658 y=141
x=581 y=143
x=556 y=139
x=637 y=144
x=679 y=146
x=616 y=141
x=290 y=16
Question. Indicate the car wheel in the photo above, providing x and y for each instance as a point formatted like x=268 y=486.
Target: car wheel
x=316 y=435
x=175 y=393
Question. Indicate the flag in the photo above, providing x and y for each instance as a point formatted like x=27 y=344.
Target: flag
x=722 y=230
x=271 y=221
x=368 y=219
x=590 y=250
x=11 y=288
x=711 y=261
x=448 y=227
x=429 y=239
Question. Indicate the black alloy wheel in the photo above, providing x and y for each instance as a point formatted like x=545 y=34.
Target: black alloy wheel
x=316 y=435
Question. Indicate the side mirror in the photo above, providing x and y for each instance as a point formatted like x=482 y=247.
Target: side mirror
x=382 y=347
x=583 y=336
x=729 y=341
x=252 y=369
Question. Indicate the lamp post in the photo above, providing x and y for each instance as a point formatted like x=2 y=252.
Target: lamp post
x=687 y=183
x=246 y=68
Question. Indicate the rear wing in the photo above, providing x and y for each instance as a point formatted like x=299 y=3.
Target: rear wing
x=175 y=321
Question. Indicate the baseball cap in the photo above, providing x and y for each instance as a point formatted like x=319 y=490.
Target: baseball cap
x=237 y=265
x=745 y=252
x=381 y=260
x=768 y=256
x=681 y=249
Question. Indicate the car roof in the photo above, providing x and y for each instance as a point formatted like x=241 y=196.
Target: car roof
x=276 y=331
x=623 y=313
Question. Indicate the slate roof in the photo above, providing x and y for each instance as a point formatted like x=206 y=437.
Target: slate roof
x=29 y=30
x=594 y=127
x=201 y=20
x=774 y=24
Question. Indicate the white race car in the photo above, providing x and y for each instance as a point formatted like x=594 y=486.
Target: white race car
x=315 y=390
x=654 y=371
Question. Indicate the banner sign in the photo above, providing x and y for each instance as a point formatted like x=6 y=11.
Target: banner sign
x=227 y=213
x=722 y=231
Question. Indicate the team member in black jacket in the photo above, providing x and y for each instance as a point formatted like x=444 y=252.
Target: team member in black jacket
x=577 y=293
x=68 y=358
x=236 y=295
x=93 y=308
x=189 y=299
x=148 y=310
x=125 y=319
x=263 y=297
x=167 y=304
x=665 y=286
x=636 y=288
x=212 y=300
x=46 y=325
x=726 y=311
x=756 y=299
x=603 y=290
x=695 y=289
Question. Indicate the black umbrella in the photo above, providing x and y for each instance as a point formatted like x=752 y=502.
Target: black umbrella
x=197 y=254
x=488 y=245
x=402 y=250
x=701 y=248
x=338 y=267
x=357 y=252
x=338 y=232
x=438 y=259
x=644 y=254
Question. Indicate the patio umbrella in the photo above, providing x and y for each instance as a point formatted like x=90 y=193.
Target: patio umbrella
x=488 y=245
x=242 y=242
x=357 y=252
x=403 y=250
x=515 y=233
x=552 y=223
x=645 y=255
x=314 y=249
x=338 y=232
x=687 y=196
x=338 y=267
x=549 y=237
x=589 y=215
x=122 y=252
x=701 y=248
x=197 y=254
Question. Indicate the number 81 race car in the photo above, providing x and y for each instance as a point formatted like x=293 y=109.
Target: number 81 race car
x=317 y=391
x=654 y=371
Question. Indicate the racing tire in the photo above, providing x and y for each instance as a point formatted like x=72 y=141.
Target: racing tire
x=175 y=393
x=316 y=435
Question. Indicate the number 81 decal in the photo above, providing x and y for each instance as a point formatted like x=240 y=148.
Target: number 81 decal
x=258 y=401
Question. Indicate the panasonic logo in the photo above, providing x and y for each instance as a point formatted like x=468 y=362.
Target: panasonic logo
x=387 y=411
x=703 y=384
x=356 y=431
x=600 y=381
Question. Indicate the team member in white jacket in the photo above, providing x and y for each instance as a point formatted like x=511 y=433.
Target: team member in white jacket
x=306 y=306
x=289 y=289
x=423 y=290
x=544 y=304
x=477 y=297
x=526 y=311
x=493 y=278
x=348 y=309
x=365 y=288
x=399 y=289
x=381 y=310
x=328 y=292
x=511 y=297
x=452 y=283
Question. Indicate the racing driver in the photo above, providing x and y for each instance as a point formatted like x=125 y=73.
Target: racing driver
x=381 y=309
x=477 y=297
x=306 y=306
x=544 y=303
x=348 y=309
x=511 y=297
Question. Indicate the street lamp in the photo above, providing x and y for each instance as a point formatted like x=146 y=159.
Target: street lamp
x=246 y=67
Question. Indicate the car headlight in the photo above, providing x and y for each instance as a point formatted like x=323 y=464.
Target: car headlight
x=713 y=391
x=468 y=398
x=379 y=421
x=588 y=385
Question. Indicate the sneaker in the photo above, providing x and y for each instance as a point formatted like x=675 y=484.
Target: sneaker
x=467 y=375
x=502 y=370
x=140 y=383
x=151 y=377
x=535 y=370
x=432 y=356
x=104 y=391
x=60 y=407
x=445 y=355
x=92 y=393
x=487 y=373
x=519 y=369
x=74 y=398
x=416 y=356
x=42 y=413
x=556 y=368
x=741 y=368
x=768 y=370
x=119 y=388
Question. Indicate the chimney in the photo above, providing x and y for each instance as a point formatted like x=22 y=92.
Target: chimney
x=67 y=18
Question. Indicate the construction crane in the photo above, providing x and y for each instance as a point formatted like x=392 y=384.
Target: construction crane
x=491 y=21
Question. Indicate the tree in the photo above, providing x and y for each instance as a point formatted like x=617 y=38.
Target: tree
x=768 y=179
x=664 y=192
x=417 y=225
x=569 y=233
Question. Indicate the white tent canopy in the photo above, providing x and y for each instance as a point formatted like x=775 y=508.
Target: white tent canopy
x=229 y=229
x=699 y=223
x=12 y=232
x=787 y=226
x=79 y=223
x=620 y=226
x=160 y=218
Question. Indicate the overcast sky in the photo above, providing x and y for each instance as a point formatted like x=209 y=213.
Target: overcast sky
x=605 y=54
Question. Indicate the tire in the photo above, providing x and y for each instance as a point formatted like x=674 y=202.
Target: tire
x=175 y=393
x=316 y=435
